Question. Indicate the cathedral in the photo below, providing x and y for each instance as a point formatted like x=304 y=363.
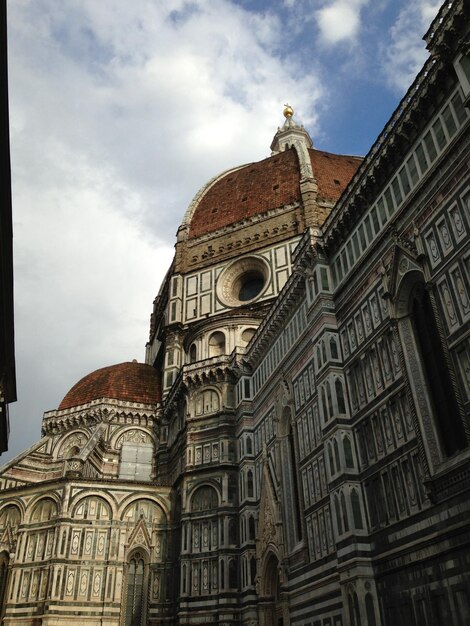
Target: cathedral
x=295 y=450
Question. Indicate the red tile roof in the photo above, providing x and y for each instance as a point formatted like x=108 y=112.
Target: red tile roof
x=129 y=382
x=332 y=172
x=252 y=190
x=268 y=184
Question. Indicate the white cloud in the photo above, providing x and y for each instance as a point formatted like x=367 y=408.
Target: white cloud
x=340 y=20
x=119 y=112
x=405 y=53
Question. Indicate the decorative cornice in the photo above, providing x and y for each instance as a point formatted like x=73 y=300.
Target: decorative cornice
x=102 y=410
x=216 y=369
x=388 y=147
x=442 y=28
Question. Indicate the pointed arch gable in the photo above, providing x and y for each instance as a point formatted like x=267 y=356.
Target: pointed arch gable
x=402 y=262
x=139 y=539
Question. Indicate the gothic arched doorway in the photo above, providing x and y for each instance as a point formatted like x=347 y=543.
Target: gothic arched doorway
x=272 y=604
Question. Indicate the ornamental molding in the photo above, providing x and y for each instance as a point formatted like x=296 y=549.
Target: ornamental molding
x=404 y=258
x=269 y=519
x=218 y=369
x=242 y=224
x=134 y=435
x=139 y=536
x=93 y=413
x=8 y=540
x=388 y=148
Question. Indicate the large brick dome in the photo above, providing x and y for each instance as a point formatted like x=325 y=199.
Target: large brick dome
x=129 y=382
x=269 y=184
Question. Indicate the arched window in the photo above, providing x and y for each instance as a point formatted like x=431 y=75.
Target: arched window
x=356 y=510
x=348 y=455
x=330 y=399
x=232 y=531
x=336 y=449
x=192 y=353
x=323 y=351
x=344 y=512
x=354 y=615
x=253 y=570
x=340 y=396
x=222 y=574
x=135 y=601
x=295 y=481
x=331 y=460
x=333 y=348
x=247 y=334
x=217 y=344
x=440 y=386
x=323 y=402
x=92 y=508
x=10 y=515
x=370 y=611
x=319 y=361
x=44 y=510
x=233 y=574
x=232 y=488
x=249 y=483
x=73 y=451
x=249 y=446
x=204 y=499
x=338 y=516
x=4 y=562
x=251 y=527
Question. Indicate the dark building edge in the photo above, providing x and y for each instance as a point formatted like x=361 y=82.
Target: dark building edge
x=7 y=338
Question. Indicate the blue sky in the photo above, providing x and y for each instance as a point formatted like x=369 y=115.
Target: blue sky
x=120 y=111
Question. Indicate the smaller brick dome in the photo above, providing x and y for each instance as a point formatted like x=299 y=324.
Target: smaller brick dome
x=129 y=382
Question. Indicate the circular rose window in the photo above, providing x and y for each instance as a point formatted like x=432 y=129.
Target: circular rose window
x=243 y=281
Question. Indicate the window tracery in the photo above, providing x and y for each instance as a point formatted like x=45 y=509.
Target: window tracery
x=205 y=498
x=135 y=597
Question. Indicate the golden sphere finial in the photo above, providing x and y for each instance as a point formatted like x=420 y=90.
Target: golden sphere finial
x=288 y=111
